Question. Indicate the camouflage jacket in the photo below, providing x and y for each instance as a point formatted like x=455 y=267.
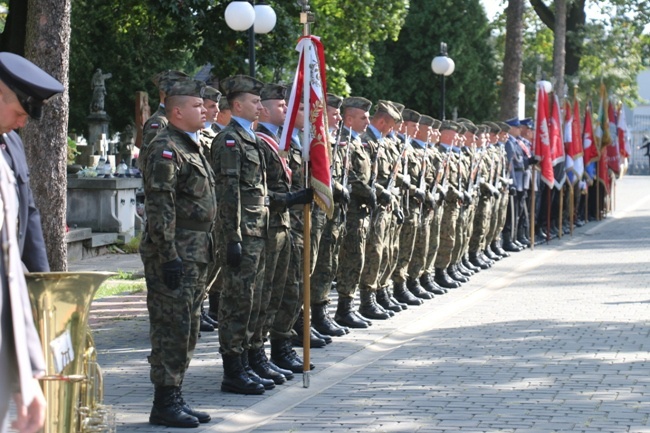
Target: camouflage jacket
x=277 y=180
x=180 y=199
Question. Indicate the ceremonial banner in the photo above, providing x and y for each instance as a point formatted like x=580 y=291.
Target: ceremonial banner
x=613 y=155
x=309 y=88
x=557 y=145
x=621 y=129
x=573 y=140
x=542 y=143
x=588 y=140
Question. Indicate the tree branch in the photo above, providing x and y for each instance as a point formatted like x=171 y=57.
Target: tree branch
x=544 y=13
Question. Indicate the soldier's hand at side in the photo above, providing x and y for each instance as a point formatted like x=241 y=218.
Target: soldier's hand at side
x=233 y=254
x=399 y=215
x=406 y=182
x=172 y=273
x=342 y=196
x=304 y=196
x=430 y=200
x=385 y=198
x=419 y=195
x=512 y=190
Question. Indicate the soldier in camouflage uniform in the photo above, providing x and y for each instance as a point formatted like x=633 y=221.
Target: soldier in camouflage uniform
x=240 y=171
x=330 y=244
x=176 y=249
x=278 y=246
x=382 y=123
x=362 y=202
x=158 y=120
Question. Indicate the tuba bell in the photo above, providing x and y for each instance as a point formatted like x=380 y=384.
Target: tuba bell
x=72 y=383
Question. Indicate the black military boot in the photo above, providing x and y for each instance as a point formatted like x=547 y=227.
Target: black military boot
x=283 y=356
x=508 y=245
x=490 y=254
x=327 y=338
x=345 y=316
x=467 y=264
x=391 y=297
x=213 y=309
x=485 y=258
x=402 y=294
x=460 y=267
x=454 y=274
x=260 y=364
x=286 y=373
x=205 y=317
x=203 y=417
x=369 y=308
x=235 y=378
x=427 y=283
x=314 y=341
x=266 y=383
x=323 y=323
x=476 y=260
x=383 y=299
x=413 y=286
x=167 y=411
x=443 y=280
x=205 y=326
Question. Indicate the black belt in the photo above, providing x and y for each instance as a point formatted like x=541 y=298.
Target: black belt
x=194 y=225
x=255 y=201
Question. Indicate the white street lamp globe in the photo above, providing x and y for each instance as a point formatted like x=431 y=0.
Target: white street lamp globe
x=546 y=85
x=240 y=15
x=451 y=68
x=265 y=18
x=440 y=65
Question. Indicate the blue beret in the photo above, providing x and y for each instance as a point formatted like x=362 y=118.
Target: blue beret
x=31 y=84
x=527 y=122
x=513 y=122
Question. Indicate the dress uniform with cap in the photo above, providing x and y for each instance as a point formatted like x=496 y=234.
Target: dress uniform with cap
x=176 y=250
x=21 y=355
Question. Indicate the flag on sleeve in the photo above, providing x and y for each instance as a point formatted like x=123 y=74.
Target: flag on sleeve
x=542 y=143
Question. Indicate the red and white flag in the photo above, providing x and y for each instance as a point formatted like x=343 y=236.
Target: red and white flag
x=573 y=141
x=542 y=145
x=613 y=155
x=588 y=139
x=557 y=144
x=309 y=88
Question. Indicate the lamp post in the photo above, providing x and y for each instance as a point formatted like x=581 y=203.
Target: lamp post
x=255 y=18
x=444 y=66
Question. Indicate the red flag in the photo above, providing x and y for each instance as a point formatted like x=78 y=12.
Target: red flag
x=309 y=87
x=557 y=144
x=621 y=129
x=574 y=148
x=542 y=140
x=590 y=149
x=603 y=171
x=613 y=157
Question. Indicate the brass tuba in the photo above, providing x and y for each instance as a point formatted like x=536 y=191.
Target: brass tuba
x=72 y=383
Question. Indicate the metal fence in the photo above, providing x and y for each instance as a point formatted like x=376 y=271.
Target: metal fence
x=639 y=131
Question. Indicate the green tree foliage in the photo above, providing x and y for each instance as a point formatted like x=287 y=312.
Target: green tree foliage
x=402 y=70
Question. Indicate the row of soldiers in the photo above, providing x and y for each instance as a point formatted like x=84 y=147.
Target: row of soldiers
x=420 y=205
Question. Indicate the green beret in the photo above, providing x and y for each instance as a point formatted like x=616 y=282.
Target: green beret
x=411 y=115
x=427 y=120
x=187 y=87
x=399 y=107
x=388 y=108
x=492 y=127
x=449 y=125
x=436 y=124
x=334 y=101
x=223 y=104
x=469 y=126
x=212 y=94
x=504 y=126
x=461 y=128
x=482 y=129
x=273 y=91
x=165 y=79
x=356 y=102
x=241 y=84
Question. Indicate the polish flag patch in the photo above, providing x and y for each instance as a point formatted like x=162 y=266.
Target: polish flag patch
x=155 y=126
x=343 y=143
x=230 y=143
x=167 y=154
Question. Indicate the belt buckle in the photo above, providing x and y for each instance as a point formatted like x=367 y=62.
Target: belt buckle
x=267 y=200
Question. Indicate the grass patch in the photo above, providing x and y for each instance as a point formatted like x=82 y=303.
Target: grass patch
x=120 y=286
x=132 y=246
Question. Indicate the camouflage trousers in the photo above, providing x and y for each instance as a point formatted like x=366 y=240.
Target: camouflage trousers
x=375 y=253
x=462 y=229
x=421 y=247
x=391 y=252
x=480 y=224
x=352 y=253
x=173 y=320
x=434 y=239
x=328 y=259
x=278 y=255
x=241 y=297
x=406 y=243
x=291 y=303
x=318 y=221
x=501 y=213
x=448 y=224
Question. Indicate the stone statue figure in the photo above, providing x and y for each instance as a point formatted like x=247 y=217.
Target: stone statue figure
x=99 y=91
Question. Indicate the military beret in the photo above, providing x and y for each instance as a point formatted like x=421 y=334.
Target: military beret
x=482 y=129
x=356 y=102
x=461 y=128
x=241 y=84
x=469 y=126
x=334 y=101
x=463 y=120
x=427 y=120
x=436 y=124
x=223 y=104
x=504 y=126
x=411 y=115
x=449 y=125
x=273 y=91
x=492 y=127
x=165 y=79
x=187 y=87
x=399 y=107
x=513 y=122
x=388 y=108
x=31 y=84
x=527 y=122
x=212 y=94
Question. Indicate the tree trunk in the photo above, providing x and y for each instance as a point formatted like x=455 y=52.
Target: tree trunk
x=559 y=52
x=48 y=46
x=513 y=59
x=576 y=19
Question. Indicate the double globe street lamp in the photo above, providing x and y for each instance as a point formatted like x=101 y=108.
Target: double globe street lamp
x=256 y=18
x=444 y=66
